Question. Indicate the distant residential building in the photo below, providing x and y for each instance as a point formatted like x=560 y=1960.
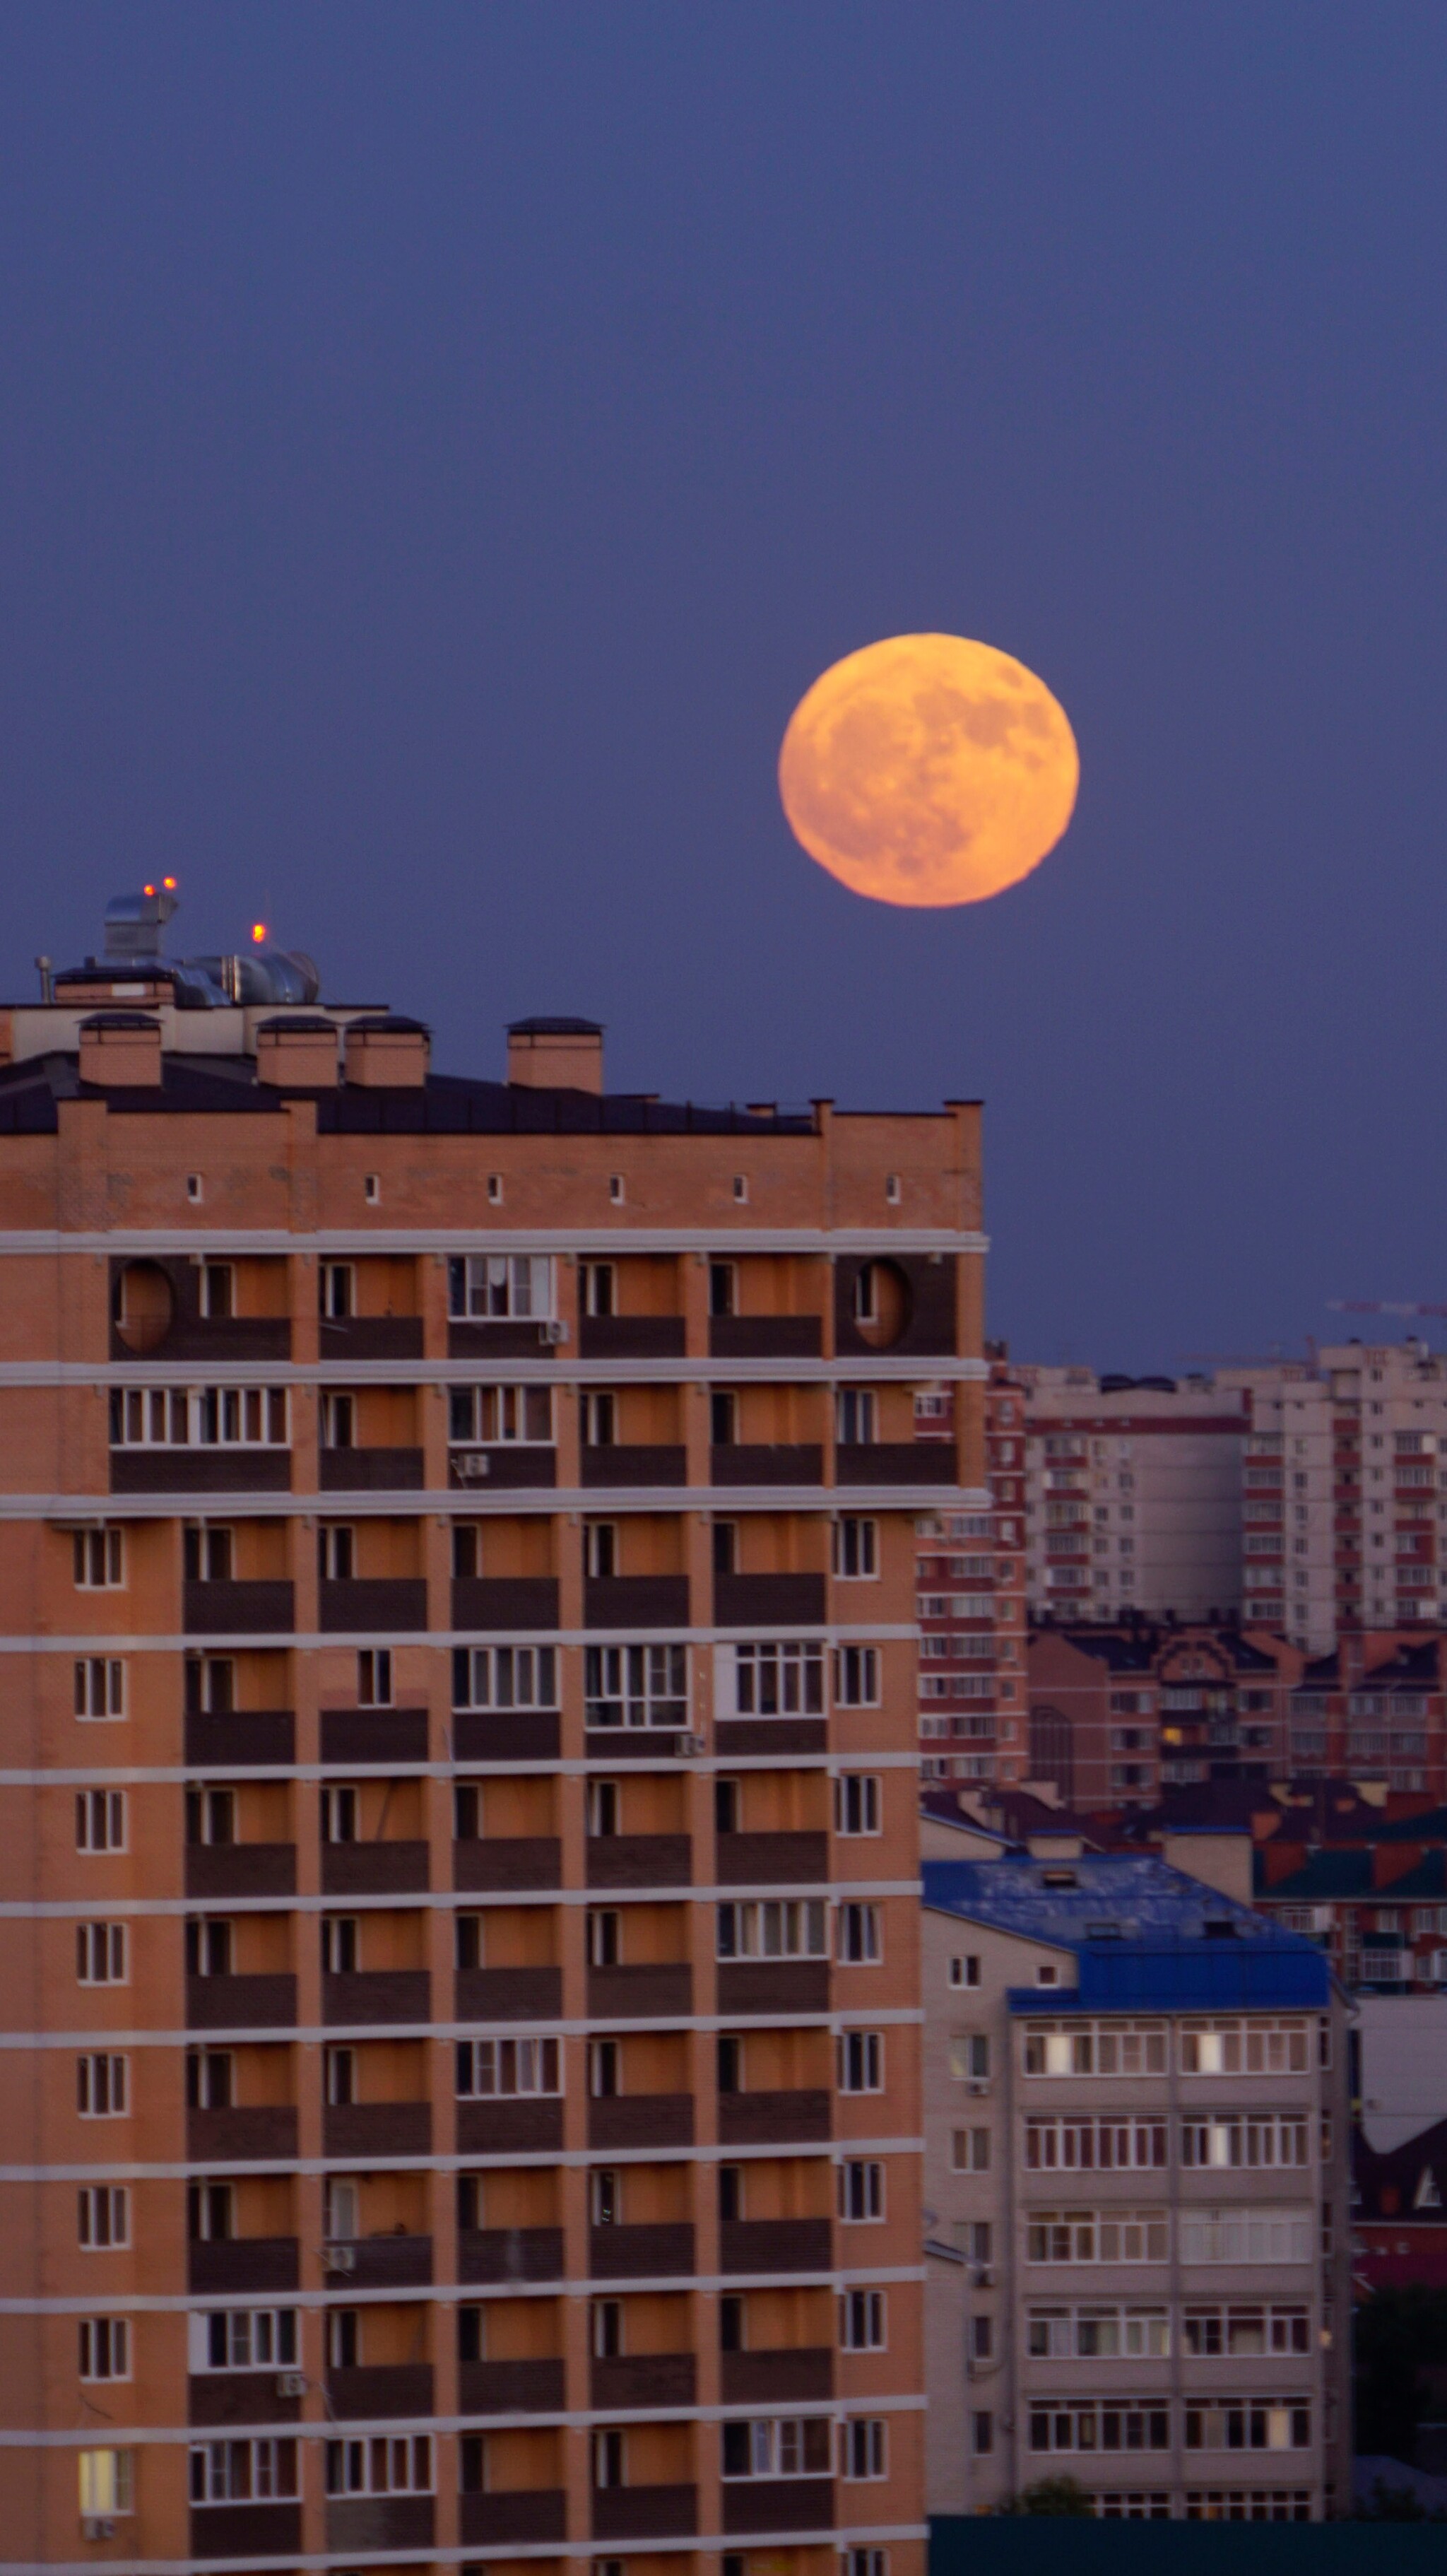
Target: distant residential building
x=1368 y=1884
x=1342 y=1490
x=970 y=1596
x=1136 y=2141
x=1119 y=1713
x=1374 y=1710
x=1133 y=1494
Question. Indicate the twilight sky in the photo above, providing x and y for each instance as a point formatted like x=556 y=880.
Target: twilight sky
x=439 y=445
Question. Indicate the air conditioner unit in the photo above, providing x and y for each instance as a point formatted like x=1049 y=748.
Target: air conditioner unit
x=686 y=1746
x=556 y=1331
x=291 y=2383
x=95 y=2526
x=978 y=2085
x=339 y=2258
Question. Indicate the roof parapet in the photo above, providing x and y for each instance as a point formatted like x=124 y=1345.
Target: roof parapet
x=299 y=1054
x=388 y=1053
x=556 y=1055
x=121 y=1051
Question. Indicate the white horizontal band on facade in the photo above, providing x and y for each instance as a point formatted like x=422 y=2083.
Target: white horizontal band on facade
x=576 y=1242
x=882 y=1632
x=463 y=1765
x=838 y=1891
x=134 y=1368
x=323 y=2034
x=158 y=2436
x=443 y=2294
x=485 y=1501
x=838 y=2537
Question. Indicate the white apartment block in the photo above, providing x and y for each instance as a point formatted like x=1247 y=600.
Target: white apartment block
x=1133 y=1494
x=1136 y=2141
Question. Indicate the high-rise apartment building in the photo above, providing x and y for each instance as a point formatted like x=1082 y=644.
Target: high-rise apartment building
x=1343 y=1498
x=461 y=1920
x=1133 y=1494
x=971 y=1602
x=1136 y=2124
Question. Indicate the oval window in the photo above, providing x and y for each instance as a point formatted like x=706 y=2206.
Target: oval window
x=881 y=1303
x=145 y=1306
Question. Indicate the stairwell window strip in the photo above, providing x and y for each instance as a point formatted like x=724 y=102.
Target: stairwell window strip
x=488 y=1286
x=227 y=1417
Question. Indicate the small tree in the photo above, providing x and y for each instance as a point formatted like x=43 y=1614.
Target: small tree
x=1052 y=2496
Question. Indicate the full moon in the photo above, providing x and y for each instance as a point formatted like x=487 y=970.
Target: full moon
x=928 y=770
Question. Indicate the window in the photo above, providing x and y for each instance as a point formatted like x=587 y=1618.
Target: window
x=107 y=2484
x=864 y=2447
x=855 y=2562
x=1095 y=2048
x=494 y=1189
x=210 y=1685
x=210 y=1815
x=1097 y=2236
x=210 y=2213
x=341 y=2210
x=210 y=2079
x=336 y=1290
x=1091 y=2425
x=856 y=1803
x=195 y=1188
x=861 y=1935
x=105 y=2347
x=636 y=1685
x=982 y=2338
x=854 y=1416
x=201 y=1417
x=341 y=1949
x=727 y=1806
x=343 y=2338
x=1249 y=2424
x=598 y=1287
x=1246 y=2504
x=103 y=2217
x=100 y=1954
x=469 y=1936
x=741 y=1187
x=339 y=1815
x=489 y=1284
x=1247 y=2329
x=1241 y=2235
x=970 y=2150
x=1235 y=2138
x=102 y=2085
x=776 y=2446
x=609 y=2458
x=600 y=1550
x=243 y=2472
x=723 y=1281
x=243 y=2339
x=1118 y=2143
x=861 y=2189
x=777 y=1680
x=982 y=2431
x=861 y=2061
x=965 y=1972
x=495 y=2068
x=772 y=1928
x=892 y=1189
x=1098 y=2333
x=605 y=2199
x=970 y=2057
x=493 y=1416
x=856 y=1676
x=338 y=1421
x=603 y=1936
x=374 y=1677
x=336 y=1552
x=725 y=1547
x=372 y=1188
x=99 y=1565
x=856 y=1548
x=1258 y=2047
x=100 y=1686
x=339 y=2076
x=505 y=1677
x=604 y=2068
x=100 y=1820
x=617 y=1190
x=600 y=1418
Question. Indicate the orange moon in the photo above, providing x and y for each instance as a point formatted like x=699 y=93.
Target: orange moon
x=928 y=770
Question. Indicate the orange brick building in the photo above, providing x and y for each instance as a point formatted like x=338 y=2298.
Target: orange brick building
x=459 y=1904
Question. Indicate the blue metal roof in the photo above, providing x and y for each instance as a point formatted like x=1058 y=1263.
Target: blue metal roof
x=1144 y=1936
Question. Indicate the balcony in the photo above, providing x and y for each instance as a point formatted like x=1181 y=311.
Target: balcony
x=510 y=1465
x=772 y=1860
x=375 y=1869
x=525 y=1603
x=631 y=1337
x=636 y=1601
x=661 y=2251
x=778 y=2504
x=385 y=2388
x=357 y=2525
x=774 y=2119
x=507 y=1994
x=203 y=1470
x=216 y=2267
x=512 y=1735
x=370 y=1471
x=785 y=2378
x=896 y=1462
x=663 y=1991
x=225 y=2397
x=259 y=2133
x=240 y=2003
x=776 y=2245
x=215 y=1870
x=365 y=1605
x=639 y=1860
x=773 y=1986
x=739 y=1735
x=490 y=2254
x=635 y=1462
x=775 y=1462
x=240 y=1739
x=533 y=2126
x=358 y=1737
x=643 y=2380
x=250 y=2531
x=769 y=1601
x=512 y=2387
x=640 y=2120
x=364 y=2130
x=238 y=1610
x=514 y=2518
x=376 y=1995
x=765 y=1337
x=493 y=1866
x=396 y=2262
x=370 y=1337
x=645 y=2513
